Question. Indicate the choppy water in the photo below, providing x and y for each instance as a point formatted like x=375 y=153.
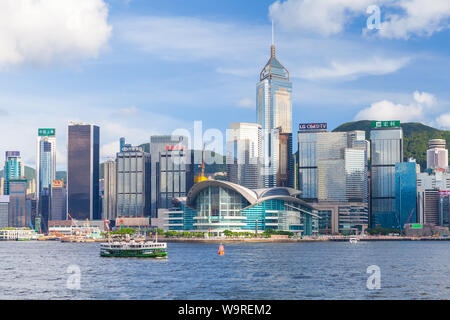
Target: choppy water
x=409 y=270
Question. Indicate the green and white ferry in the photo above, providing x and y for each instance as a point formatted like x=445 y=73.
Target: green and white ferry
x=134 y=249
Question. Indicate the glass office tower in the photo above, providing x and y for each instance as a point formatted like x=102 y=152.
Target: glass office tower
x=58 y=201
x=332 y=166
x=14 y=169
x=110 y=195
x=386 y=150
x=244 y=155
x=176 y=176
x=133 y=183
x=18 y=215
x=83 y=144
x=274 y=114
x=158 y=145
x=405 y=193
x=45 y=159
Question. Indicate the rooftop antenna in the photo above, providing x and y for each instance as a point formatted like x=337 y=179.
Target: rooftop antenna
x=272 y=48
x=273 y=42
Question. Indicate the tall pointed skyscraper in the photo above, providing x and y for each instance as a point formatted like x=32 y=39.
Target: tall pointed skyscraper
x=274 y=114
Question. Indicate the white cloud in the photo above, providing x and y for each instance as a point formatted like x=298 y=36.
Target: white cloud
x=319 y=16
x=129 y=111
x=419 y=17
x=186 y=38
x=444 y=121
x=387 y=110
x=42 y=31
x=400 y=18
x=246 y=103
x=353 y=69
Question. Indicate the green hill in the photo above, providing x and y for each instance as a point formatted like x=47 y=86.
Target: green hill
x=416 y=136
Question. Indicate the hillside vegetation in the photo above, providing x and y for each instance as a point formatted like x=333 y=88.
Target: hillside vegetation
x=416 y=136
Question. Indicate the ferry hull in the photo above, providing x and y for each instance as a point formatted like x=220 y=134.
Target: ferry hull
x=133 y=253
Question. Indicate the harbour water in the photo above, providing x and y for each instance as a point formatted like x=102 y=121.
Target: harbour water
x=323 y=270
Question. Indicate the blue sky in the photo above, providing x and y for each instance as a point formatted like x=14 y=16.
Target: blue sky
x=139 y=67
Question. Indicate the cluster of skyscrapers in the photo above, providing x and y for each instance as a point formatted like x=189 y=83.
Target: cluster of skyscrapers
x=337 y=182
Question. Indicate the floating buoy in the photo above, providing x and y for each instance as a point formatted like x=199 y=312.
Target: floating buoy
x=221 y=251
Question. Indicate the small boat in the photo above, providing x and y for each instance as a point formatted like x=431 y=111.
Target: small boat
x=353 y=240
x=133 y=249
x=221 y=251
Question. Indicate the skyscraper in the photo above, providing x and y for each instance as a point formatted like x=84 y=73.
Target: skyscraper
x=18 y=216
x=274 y=114
x=133 y=183
x=58 y=201
x=437 y=154
x=244 y=155
x=405 y=193
x=14 y=168
x=110 y=195
x=332 y=166
x=83 y=142
x=45 y=159
x=332 y=174
x=386 y=147
x=161 y=145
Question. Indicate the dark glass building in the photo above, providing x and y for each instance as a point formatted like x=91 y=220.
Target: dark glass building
x=164 y=144
x=83 y=171
x=386 y=147
x=133 y=182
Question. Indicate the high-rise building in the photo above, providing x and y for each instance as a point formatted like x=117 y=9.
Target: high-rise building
x=109 y=194
x=58 y=201
x=45 y=159
x=14 y=168
x=244 y=155
x=176 y=175
x=18 y=216
x=4 y=211
x=332 y=175
x=83 y=144
x=386 y=139
x=44 y=207
x=274 y=114
x=405 y=193
x=432 y=190
x=437 y=154
x=133 y=182
x=161 y=144
x=332 y=166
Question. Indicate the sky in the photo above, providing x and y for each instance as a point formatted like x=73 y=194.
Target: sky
x=142 y=67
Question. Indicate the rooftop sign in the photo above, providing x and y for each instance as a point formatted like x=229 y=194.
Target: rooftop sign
x=312 y=126
x=132 y=149
x=46 y=132
x=386 y=124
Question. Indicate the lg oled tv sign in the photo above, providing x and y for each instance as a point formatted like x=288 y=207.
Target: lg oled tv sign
x=312 y=126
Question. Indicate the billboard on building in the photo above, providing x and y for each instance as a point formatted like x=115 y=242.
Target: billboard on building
x=312 y=126
x=46 y=132
x=386 y=124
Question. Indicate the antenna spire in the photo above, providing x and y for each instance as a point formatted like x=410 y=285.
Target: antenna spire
x=273 y=43
x=272 y=48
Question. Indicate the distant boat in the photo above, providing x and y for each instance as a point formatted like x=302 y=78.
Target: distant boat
x=353 y=240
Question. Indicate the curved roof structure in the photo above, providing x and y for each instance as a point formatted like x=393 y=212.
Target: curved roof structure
x=252 y=196
x=248 y=194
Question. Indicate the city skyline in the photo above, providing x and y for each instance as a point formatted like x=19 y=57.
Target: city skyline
x=337 y=69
